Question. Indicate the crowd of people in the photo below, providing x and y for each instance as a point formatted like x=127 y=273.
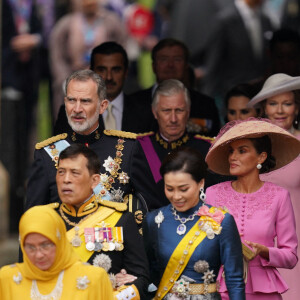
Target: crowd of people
x=186 y=189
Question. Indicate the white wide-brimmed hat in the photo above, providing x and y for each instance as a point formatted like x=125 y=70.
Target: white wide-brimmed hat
x=285 y=147
x=275 y=85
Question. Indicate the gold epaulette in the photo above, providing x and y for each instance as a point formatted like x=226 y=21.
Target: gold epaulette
x=119 y=206
x=53 y=205
x=205 y=138
x=119 y=133
x=51 y=140
x=144 y=134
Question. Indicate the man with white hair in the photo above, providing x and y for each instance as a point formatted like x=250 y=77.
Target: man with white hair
x=171 y=108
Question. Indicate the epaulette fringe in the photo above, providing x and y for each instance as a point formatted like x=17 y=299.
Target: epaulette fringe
x=138 y=135
x=119 y=133
x=205 y=138
x=51 y=140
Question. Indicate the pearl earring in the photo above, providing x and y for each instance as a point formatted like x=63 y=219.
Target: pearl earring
x=259 y=166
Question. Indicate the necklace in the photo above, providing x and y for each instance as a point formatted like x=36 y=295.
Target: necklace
x=181 y=228
x=54 y=295
x=76 y=240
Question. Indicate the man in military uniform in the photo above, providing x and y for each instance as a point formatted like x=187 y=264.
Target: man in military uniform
x=101 y=232
x=171 y=108
x=85 y=99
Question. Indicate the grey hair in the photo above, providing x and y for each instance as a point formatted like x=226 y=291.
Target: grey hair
x=168 y=88
x=85 y=75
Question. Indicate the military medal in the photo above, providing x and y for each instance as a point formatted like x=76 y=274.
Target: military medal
x=89 y=239
x=98 y=245
x=105 y=246
x=118 y=233
x=76 y=241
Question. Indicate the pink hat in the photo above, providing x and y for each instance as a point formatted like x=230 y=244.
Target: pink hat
x=285 y=147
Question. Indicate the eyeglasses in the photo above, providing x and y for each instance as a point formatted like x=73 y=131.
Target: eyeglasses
x=43 y=248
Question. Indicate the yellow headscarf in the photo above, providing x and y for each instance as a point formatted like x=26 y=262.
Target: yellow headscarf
x=44 y=220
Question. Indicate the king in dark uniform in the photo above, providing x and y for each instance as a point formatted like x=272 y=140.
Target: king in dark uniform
x=100 y=231
x=119 y=174
x=171 y=108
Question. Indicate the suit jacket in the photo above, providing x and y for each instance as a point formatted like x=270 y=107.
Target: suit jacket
x=203 y=109
x=230 y=58
x=135 y=117
x=262 y=217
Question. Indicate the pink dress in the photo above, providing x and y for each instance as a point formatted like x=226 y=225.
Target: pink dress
x=261 y=217
x=289 y=178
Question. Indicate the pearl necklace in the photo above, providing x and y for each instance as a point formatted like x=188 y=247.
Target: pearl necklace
x=54 y=295
x=181 y=228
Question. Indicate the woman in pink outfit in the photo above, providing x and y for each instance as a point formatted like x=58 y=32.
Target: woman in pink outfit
x=262 y=210
x=280 y=103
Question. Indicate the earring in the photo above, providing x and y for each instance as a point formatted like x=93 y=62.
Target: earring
x=259 y=166
x=202 y=194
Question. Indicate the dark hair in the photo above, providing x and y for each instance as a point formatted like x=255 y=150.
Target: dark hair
x=108 y=48
x=243 y=89
x=285 y=35
x=187 y=160
x=264 y=144
x=74 y=150
x=169 y=42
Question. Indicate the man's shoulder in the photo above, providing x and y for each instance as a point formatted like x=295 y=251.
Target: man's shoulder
x=51 y=140
x=120 y=134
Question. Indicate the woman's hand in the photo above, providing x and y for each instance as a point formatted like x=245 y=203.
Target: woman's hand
x=259 y=249
x=124 y=278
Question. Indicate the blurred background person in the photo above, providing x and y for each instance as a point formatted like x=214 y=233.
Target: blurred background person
x=170 y=60
x=73 y=38
x=187 y=241
x=262 y=210
x=236 y=50
x=20 y=41
x=236 y=100
x=51 y=269
x=280 y=102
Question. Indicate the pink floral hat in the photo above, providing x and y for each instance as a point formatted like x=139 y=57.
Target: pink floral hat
x=285 y=147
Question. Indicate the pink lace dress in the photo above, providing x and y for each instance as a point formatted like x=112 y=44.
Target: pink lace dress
x=289 y=178
x=261 y=217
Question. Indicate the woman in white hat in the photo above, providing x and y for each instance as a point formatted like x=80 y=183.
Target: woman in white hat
x=262 y=210
x=280 y=102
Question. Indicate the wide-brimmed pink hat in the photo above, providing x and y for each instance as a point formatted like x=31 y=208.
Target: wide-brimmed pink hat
x=275 y=85
x=285 y=147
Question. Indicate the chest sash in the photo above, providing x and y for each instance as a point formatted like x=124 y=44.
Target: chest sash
x=180 y=257
x=111 y=218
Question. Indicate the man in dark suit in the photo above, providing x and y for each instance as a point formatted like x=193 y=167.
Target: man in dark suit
x=110 y=61
x=236 y=50
x=170 y=61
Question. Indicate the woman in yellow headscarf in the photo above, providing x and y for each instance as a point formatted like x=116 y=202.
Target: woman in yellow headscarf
x=51 y=270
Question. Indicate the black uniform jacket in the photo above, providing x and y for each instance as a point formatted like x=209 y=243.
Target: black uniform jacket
x=41 y=188
x=162 y=149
